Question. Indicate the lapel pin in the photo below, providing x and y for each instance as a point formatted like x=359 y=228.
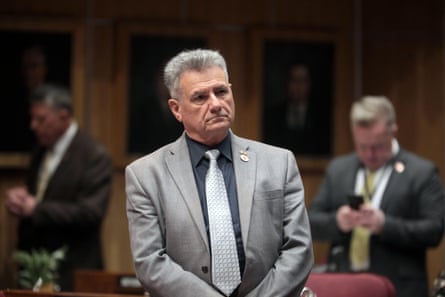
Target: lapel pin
x=399 y=167
x=243 y=156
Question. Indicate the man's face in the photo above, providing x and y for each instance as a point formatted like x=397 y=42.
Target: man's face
x=206 y=107
x=299 y=84
x=373 y=144
x=48 y=123
x=33 y=69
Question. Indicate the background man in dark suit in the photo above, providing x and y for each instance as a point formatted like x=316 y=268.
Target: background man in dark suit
x=405 y=214
x=168 y=209
x=68 y=186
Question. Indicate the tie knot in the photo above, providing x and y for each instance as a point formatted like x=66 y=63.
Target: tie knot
x=212 y=154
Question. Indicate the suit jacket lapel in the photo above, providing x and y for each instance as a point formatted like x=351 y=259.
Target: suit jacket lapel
x=33 y=173
x=245 y=173
x=395 y=181
x=181 y=171
x=63 y=168
x=351 y=175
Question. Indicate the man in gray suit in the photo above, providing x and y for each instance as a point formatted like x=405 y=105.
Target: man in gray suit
x=166 y=201
x=405 y=212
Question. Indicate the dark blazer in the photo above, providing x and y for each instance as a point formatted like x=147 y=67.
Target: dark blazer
x=413 y=203
x=72 y=208
x=168 y=234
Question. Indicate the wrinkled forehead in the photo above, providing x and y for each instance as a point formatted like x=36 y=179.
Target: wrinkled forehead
x=192 y=79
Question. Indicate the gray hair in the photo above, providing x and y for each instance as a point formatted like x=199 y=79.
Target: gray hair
x=371 y=109
x=56 y=97
x=195 y=60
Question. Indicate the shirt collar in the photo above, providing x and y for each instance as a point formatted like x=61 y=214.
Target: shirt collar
x=64 y=141
x=197 y=149
x=395 y=147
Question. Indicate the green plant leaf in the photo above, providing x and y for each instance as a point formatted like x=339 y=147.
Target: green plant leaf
x=38 y=264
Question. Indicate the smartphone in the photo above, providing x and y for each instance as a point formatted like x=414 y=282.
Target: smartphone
x=355 y=201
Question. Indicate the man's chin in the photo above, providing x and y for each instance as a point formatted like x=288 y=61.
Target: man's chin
x=374 y=166
x=219 y=124
x=43 y=142
x=218 y=119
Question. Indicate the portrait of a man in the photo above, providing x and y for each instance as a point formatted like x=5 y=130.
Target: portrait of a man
x=298 y=95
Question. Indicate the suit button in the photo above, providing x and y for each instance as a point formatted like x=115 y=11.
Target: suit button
x=205 y=269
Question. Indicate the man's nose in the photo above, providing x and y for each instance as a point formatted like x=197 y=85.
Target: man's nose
x=214 y=101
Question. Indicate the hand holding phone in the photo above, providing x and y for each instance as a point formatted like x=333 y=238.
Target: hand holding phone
x=355 y=201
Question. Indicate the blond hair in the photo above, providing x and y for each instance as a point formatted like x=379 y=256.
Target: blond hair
x=371 y=109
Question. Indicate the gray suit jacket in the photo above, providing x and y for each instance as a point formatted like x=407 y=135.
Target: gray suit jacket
x=167 y=231
x=413 y=203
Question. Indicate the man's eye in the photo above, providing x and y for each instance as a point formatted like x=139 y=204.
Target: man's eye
x=200 y=99
x=221 y=92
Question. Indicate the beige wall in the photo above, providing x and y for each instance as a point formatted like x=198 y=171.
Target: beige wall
x=387 y=48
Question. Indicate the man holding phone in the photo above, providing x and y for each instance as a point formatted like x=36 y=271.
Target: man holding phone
x=355 y=201
x=381 y=207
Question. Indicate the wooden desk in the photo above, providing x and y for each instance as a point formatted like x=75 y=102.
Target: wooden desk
x=30 y=293
x=98 y=281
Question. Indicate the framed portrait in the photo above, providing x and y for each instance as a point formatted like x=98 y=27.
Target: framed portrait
x=294 y=79
x=143 y=53
x=33 y=53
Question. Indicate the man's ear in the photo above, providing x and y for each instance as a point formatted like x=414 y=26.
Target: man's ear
x=394 y=129
x=173 y=104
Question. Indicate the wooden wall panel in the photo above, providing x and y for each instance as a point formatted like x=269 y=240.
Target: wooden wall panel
x=319 y=14
x=231 y=12
x=116 y=244
x=100 y=54
x=140 y=10
x=44 y=8
x=8 y=225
